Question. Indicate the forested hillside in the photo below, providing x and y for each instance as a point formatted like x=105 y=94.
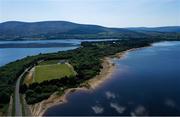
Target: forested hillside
x=14 y=30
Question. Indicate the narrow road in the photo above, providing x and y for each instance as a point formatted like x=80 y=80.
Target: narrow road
x=18 y=106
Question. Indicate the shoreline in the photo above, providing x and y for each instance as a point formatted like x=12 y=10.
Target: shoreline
x=108 y=69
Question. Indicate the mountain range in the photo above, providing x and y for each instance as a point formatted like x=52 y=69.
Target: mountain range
x=15 y=30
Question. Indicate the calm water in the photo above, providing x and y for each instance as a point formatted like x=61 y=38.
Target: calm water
x=13 y=50
x=146 y=82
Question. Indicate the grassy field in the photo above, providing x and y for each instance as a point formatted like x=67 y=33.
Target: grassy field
x=54 y=71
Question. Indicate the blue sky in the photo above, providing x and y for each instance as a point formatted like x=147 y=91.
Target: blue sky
x=111 y=13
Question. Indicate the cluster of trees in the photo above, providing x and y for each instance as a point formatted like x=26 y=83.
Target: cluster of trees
x=37 y=92
x=4 y=94
x=86 y=61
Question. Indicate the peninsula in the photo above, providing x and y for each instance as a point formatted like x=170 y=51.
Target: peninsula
x=76 y=68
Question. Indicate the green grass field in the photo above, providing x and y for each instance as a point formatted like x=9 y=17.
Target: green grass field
x=53 y=71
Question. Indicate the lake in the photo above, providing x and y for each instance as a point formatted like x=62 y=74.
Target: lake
x=146 y=82
x=13 y=50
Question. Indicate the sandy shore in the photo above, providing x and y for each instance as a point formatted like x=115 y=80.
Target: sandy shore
x=106 y=72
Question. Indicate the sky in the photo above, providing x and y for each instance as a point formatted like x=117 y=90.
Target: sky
x=110 y=13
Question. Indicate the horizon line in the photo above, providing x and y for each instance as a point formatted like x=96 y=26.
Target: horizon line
x=88 y=24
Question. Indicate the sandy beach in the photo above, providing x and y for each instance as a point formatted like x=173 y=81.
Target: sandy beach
x=108 y=69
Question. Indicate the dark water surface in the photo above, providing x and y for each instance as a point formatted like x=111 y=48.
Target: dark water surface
x=13 y=50
x=146 y=82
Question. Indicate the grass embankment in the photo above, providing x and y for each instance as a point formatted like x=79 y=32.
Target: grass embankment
x=53 y=71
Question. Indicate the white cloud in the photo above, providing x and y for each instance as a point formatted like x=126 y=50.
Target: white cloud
x=110 y=95
x=118 y=108
x=139 y=111
x=97 y=109
x=170 y=103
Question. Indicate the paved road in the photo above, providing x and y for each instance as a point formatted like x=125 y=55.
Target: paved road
x=18 y=106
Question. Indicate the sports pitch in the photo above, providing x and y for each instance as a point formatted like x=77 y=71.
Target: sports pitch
x=52 y=71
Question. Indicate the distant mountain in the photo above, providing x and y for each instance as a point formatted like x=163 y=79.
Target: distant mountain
x=14 y=30
x=167 y=29
x=23 y=28
x=57 y=29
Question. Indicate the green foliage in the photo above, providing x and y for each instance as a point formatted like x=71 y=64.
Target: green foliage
x=86 y=60
x=54 y=71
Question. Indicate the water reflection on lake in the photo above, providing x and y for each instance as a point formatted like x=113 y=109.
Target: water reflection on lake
x=146 y=82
